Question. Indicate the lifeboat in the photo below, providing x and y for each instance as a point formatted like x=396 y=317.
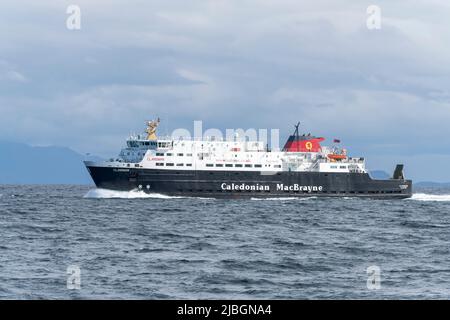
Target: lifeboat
x=333 y=156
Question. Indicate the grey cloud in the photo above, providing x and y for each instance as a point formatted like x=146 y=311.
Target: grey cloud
x=263 y=64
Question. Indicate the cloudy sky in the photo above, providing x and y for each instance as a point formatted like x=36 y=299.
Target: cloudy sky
x=233 y=64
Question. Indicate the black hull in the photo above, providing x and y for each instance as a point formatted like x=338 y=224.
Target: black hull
x=245 y=184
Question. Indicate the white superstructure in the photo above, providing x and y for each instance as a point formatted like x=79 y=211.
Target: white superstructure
x=234 y=155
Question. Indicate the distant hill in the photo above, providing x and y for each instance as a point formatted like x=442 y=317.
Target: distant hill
x=430 y=184
x=23 y=164
x=379 y=174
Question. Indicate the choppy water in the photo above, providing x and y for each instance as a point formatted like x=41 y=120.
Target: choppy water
x=130 y=245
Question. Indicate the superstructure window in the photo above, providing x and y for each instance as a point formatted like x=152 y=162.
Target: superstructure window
x=209 y=165
x=343 y=167
x=180 y=164
x=248 y=165
x=179 y=154
x=228 y=165
x=188 y=164
x=258 y=166
x=159 y=154
x=238 y=165
x=169 y=154
x=219 y=165
x=159 y=164
x=333 y=167
x=169 y=164
x=188 y=154
x=277 y=166
x=164 y=144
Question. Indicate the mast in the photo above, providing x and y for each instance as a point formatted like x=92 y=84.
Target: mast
x=296 y=134
x=151 y=129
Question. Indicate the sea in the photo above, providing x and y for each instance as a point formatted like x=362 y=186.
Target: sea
x=78 y=242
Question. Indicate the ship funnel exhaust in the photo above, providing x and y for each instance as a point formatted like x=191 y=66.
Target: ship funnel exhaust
x=398 y=173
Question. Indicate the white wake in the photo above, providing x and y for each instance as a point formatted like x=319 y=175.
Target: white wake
x=133 y=194
x=430 y=197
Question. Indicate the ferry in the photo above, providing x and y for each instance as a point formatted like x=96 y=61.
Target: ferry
x=239 y=168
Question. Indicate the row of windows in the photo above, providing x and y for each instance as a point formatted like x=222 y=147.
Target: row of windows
x=169 y=164
x=365 y=192
x=305 y=192
x=136 y=144
x=136 y=154
x=201 y=155
x=218 y=165
x=165 y=144
x=136 y=165
x=161 y=154
x=341 y=167
x=238 y=165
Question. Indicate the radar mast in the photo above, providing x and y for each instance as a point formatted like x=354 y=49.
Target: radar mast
x=151 y=129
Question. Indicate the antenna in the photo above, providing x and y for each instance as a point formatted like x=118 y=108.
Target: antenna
x=296 y=128
x=296 y=134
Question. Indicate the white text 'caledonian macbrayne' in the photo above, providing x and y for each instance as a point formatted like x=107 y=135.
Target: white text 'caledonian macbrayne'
x=242 y=168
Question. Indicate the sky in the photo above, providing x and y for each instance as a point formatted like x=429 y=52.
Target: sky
x=385 y=93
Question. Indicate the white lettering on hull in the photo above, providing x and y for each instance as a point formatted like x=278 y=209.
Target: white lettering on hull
x=244 y=187
x=262 y=187
x=297 y=187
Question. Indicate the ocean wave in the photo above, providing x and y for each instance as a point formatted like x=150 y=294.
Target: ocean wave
x=133 y=194
x=430 y=197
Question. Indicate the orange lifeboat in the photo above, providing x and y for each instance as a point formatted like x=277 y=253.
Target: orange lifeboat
x=334 y=156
